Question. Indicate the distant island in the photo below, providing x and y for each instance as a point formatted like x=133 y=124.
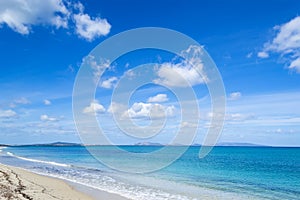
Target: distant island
x=148 y=144
x=223 y=144
x=63 y=144
x=235 y=144
x=54 y=144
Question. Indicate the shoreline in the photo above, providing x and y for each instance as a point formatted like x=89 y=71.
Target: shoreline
x=21 y=184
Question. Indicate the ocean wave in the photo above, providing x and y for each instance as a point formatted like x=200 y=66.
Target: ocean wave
x=39 y=161
x=1 y=148
x=114 y=186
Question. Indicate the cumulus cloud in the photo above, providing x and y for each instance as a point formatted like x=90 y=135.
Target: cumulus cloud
x=109 y=83
x=147 y=110
x=47 y=102
x=94 y=107
x=89 y=28
x=21 y=16
x=46 y=118
x=187 y=71
x=158 y=98
x=286 y=43
x=235 y=96
x=7 y=113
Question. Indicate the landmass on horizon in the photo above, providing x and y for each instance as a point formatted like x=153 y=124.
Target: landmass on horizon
x=57 y=144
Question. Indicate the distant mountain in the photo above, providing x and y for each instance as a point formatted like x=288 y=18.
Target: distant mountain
x=233 y=144
x=64 y=144
x=54 y=144
x=148 y=144
x=222 y=144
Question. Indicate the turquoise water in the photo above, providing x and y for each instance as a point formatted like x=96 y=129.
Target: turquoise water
x=226 y=173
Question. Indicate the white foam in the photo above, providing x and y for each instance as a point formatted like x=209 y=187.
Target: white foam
x=38 y=161
x=1 y=149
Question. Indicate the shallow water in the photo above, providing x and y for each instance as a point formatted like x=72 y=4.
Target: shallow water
x=226 y=173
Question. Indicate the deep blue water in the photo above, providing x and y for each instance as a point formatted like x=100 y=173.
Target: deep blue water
x=226 y=173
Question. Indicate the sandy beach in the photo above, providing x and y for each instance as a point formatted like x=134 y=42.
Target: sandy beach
x=18 y=184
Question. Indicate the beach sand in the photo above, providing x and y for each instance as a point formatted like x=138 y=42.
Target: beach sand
x=18 y=184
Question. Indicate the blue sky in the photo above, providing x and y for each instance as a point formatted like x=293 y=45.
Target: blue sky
x=255 y=45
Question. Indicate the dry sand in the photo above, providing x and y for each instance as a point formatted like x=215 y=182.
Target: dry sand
x=18 y=184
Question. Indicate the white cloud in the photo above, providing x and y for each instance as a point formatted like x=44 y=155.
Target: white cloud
x=47 y=102
x=89 y=28
x=295 y=64
x=7 y=113
x=94 y=107
x=46 y=118
x=235 y=96
x=147 y=110
x=232 y=116
x=249 y=55
x=286 y=43
x=158 y=98
x=129 y=73
x=109 y=83
x=21 y=16
x=116 y=108
x=239 y=117
x=262 y=54
x=188 y=125
x=181 y=74
x=98 y=66
x=22 y=100
x=281 y=131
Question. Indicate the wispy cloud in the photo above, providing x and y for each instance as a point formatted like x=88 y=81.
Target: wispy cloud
x=47 y=102
x=46 y=118
x=188 y=71
x=234 y=96
x=98 y=66
x=20 y=101
x=286 y=43
x=158 y=98
x=249 y=55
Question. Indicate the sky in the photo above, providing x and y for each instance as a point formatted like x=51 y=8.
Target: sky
x=255 y=45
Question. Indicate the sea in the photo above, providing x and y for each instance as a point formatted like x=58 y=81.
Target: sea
x=225 y=173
